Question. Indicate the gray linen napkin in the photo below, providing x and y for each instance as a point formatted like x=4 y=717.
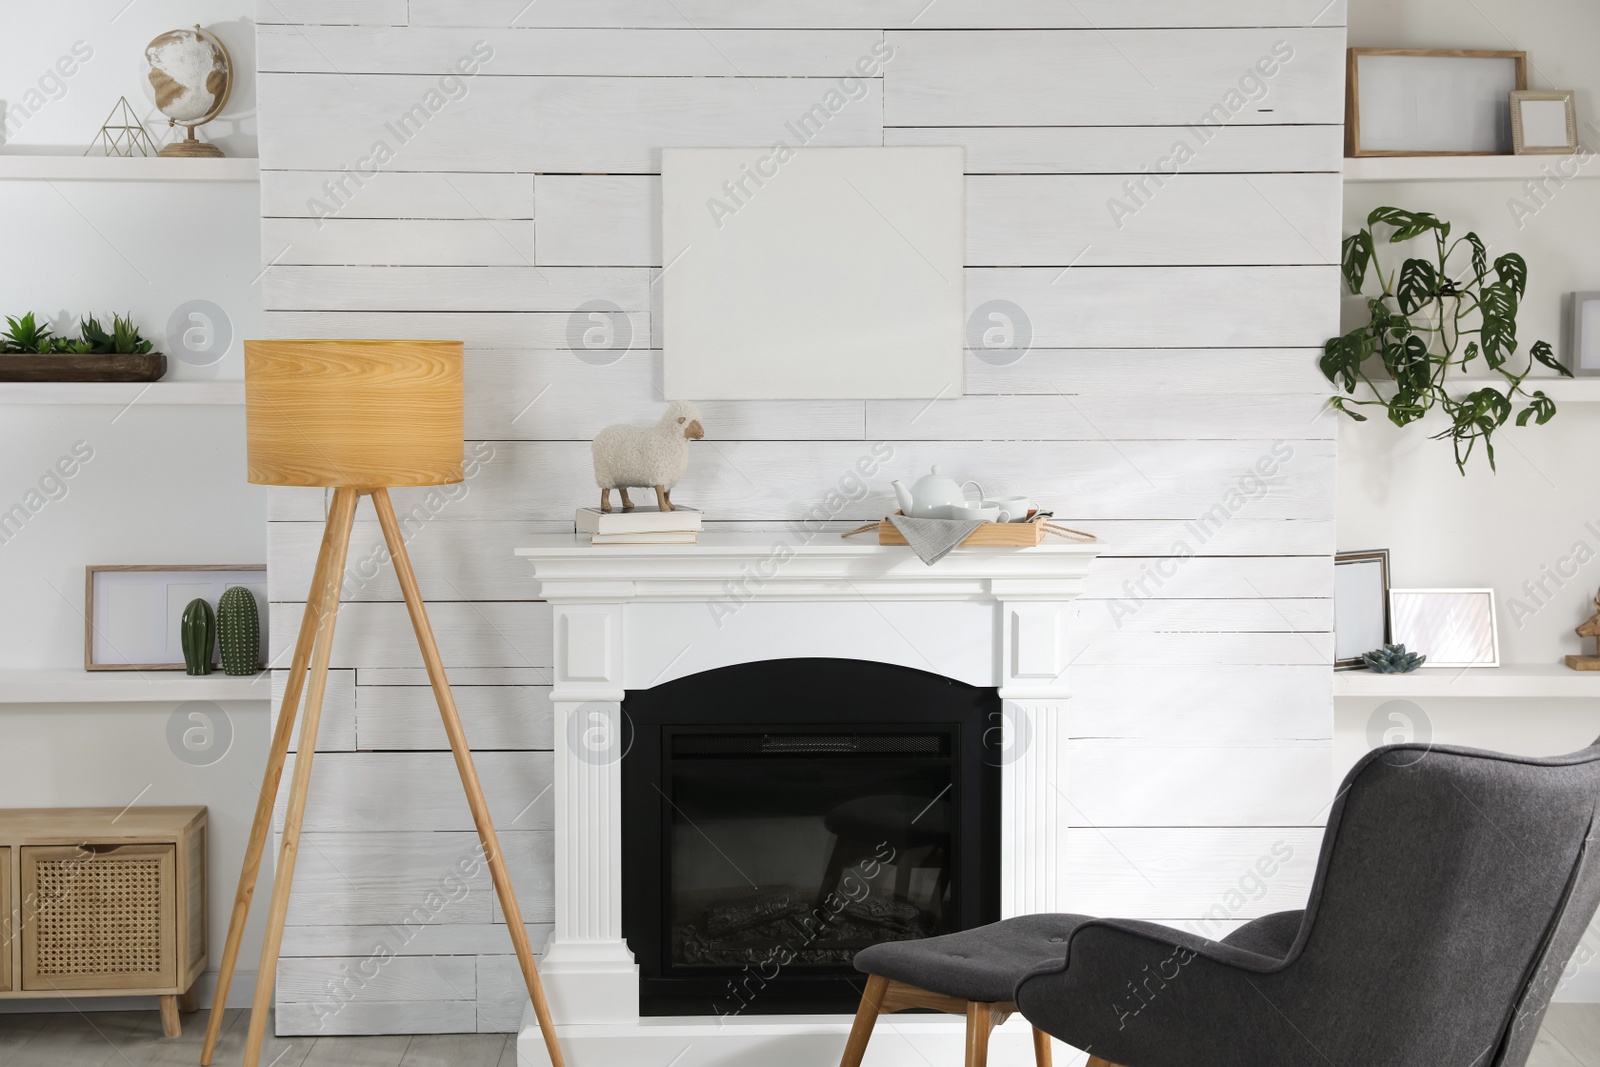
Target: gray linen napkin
x=932 y=539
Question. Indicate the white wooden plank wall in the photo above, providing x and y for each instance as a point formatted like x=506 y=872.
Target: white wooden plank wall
x=1172 y=352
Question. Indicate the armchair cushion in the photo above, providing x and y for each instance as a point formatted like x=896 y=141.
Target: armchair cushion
x=983 y=964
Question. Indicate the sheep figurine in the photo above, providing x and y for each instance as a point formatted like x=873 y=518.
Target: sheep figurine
x=639 y=456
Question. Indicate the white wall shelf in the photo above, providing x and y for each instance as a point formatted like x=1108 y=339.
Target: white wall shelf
x=1561 y=390
x=1463 y=168
x=128 y=169
x=1526 y=680
x=71 y=685
x=186 y=393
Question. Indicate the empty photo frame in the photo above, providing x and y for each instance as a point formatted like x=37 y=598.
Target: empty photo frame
x=812 y=274
x=1583 y=334
x=1360 y=606
x=1452 y=627
x=131 y=613
x=1430 y=102
x=1544 y=122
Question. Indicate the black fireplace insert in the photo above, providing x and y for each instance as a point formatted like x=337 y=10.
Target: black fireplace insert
x=780 y=816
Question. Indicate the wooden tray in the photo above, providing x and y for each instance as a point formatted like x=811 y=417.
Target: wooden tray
x=990 y=534
x=65 y=367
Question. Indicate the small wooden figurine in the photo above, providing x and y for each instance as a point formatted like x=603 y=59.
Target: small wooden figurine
x=652 y=457
x=1589 y=628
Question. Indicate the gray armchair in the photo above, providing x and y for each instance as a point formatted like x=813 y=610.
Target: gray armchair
x=1452 y=887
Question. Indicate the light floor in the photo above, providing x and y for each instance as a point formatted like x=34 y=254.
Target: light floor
x=1570 y=1038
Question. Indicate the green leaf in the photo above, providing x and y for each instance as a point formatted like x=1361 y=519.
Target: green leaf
x=1480 y=257
x=1337 y=403
x=1419 y=284
x=1512 y=271
x=1542 y=409
x=1469 y=354
x=1498 y=305
x=1342 y=358
x=1407 y=224
x=1356 y=255
x=1542 y=352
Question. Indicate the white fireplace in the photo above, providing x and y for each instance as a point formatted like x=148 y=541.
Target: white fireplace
x=634 y=617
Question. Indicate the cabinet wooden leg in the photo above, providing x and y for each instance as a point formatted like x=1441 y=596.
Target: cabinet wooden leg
x=269 y=793
x=866 y=1019
x=340 y=518
x=170 y=1027
x=469 y=774
x=190 y=1002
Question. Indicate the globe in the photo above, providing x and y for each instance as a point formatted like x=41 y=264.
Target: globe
x=192 y=74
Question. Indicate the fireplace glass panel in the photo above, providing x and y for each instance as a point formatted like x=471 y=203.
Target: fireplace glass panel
x=803 y=848
x=782 y=815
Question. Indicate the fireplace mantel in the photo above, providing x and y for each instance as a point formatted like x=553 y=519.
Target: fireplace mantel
x=635 y=616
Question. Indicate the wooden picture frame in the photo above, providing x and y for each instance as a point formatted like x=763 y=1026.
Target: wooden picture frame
x=1524 y=126
x=235 y=571
x=1361 y=620
x=1490 y=90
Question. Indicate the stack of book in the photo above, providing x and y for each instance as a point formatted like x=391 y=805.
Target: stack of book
x=640 y=526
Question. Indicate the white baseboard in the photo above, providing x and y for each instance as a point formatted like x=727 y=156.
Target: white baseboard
x=240 y=995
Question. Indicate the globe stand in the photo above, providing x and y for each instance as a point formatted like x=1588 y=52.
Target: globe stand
x=190 y=147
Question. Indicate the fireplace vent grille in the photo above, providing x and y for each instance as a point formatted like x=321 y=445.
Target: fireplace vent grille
x=804 y=744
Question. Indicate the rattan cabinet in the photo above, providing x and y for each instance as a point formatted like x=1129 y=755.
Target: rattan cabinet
x=104 y=902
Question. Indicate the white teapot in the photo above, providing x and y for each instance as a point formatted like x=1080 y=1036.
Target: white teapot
x=932 y=497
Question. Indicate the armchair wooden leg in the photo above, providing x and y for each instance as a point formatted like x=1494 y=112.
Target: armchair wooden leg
x=866 y=1019
x=1041 y=1048
x=1096 y=1061
x=980 y=1020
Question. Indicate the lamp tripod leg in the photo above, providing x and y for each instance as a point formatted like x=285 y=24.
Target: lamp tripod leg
x=340 y=519
x=469 y=774
x=287 y=713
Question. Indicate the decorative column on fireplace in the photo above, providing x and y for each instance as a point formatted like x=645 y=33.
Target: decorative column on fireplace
x=631 y=624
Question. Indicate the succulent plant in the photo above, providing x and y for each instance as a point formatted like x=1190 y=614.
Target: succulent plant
x=196 y=630
x=25 y=335
x=239 y=631
x=1392 y=659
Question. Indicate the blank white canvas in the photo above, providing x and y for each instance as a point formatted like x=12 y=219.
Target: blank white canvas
x=1544 y=123
x=834 y=274
x=1436 y=103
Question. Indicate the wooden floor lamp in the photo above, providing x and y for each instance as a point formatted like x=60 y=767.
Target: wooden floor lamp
x=357 y=417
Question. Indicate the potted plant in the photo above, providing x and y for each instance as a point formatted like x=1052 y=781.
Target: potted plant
x=1433 y=316
x=30 y=351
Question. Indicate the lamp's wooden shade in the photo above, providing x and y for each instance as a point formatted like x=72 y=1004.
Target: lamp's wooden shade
x=354 y=413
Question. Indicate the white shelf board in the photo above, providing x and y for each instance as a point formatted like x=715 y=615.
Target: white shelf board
x=122 y=393
x=1464 y=168
x=1547 y=680
x=128 y=169
x=71 y=685
x=1561 y=390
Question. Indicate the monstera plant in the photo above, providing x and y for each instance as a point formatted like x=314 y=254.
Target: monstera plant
x=1452 y=312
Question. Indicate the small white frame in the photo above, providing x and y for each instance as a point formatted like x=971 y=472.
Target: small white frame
x=1477 y=646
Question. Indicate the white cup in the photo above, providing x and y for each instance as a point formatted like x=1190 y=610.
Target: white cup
x=974 y=509
x=1012 y=508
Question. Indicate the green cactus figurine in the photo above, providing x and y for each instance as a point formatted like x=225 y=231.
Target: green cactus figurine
x=1392 y=659
x=239 y=631
x=197 y=630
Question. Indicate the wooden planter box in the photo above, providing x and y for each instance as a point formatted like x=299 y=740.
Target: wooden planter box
x=104 y=902
x=64 y=367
